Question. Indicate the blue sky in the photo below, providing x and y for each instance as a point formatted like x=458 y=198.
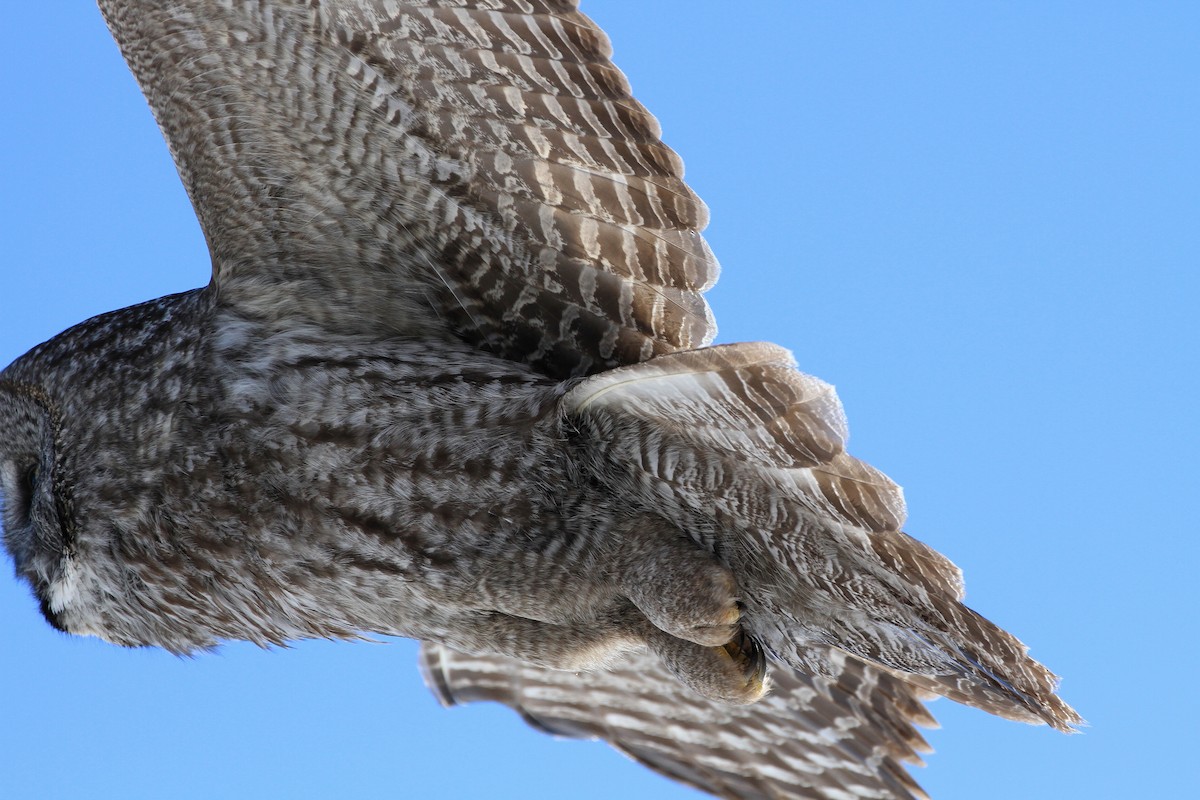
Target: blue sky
x=979 y=222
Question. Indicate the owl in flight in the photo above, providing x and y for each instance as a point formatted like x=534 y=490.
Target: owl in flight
x=451 y=380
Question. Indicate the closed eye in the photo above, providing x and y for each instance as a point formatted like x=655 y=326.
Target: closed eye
x=23 y=493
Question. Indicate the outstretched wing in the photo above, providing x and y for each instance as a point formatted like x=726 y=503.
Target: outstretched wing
x=470 y=167
x=819 y=738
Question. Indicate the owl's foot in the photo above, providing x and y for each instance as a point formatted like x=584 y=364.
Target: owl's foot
x=734 y=673
x=687 y=594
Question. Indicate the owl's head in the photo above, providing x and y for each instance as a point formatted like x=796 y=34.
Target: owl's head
x=36 y=491
x=35 y=514
x=74 y=425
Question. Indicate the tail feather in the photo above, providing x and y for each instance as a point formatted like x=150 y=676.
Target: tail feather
x=732 y=438
x=919 y=562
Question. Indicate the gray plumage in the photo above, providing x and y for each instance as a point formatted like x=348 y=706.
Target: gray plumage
x=444 y=385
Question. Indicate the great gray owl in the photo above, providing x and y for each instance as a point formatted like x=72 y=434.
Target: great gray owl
x=450 y=381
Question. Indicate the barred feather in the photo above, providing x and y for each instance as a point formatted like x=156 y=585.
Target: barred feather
x=832 y=738
x=476 y=168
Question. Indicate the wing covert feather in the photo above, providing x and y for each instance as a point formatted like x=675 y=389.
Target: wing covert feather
x=747 y=403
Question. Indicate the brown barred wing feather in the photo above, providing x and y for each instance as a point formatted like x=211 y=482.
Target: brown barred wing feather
x=824 y=738
x=475 y=168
